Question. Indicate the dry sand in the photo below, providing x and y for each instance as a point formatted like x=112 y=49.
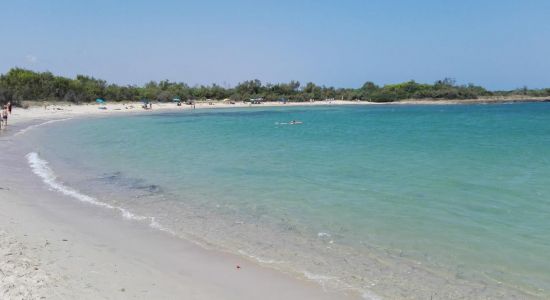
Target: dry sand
x=37 y=110
x=65 y=110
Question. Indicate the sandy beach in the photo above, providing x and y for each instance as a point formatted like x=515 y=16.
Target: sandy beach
x=57 y=111
x=55 y=247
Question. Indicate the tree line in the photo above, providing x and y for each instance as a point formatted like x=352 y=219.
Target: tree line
x=18 y=85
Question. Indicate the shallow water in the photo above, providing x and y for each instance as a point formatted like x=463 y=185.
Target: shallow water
x=399 y=201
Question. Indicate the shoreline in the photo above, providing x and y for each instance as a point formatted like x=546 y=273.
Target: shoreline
x=60 y=110
x=58 y=247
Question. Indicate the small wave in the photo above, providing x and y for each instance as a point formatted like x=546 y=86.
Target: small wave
x=156 y=225
x=323 y=235
x=321 y=279
x=40 y=167
x=259 y=259
x=24 y=130
x=330 y=281
x=370 y=296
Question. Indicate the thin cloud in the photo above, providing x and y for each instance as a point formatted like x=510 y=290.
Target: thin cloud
x=31 y=59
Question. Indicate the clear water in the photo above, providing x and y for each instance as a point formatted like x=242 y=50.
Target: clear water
x=401 y=201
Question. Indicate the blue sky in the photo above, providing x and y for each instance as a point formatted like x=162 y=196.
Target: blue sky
x=500 y=44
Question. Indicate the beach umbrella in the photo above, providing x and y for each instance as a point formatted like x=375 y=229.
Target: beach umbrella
x=100 y=100
x=176 y=100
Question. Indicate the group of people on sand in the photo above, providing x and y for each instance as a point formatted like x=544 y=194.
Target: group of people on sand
x=6 y=110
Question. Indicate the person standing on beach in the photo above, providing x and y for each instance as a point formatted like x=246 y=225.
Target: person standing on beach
x=5 y=116
x=9 y=107
x=1 y=119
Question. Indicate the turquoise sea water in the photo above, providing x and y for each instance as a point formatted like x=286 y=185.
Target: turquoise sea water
x=394 y=201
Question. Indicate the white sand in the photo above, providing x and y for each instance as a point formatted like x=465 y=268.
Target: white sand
x=54 y=247
x=61 y=111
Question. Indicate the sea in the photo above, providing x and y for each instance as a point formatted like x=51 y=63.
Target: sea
x=391 y=201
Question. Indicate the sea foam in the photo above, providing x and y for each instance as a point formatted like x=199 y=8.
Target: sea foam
x=41 y=168
x=24 y=130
